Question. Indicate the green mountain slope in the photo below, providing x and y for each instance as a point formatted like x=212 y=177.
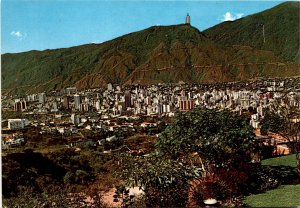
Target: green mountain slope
x=157 y=54
x=281 y=26
x=111 y=61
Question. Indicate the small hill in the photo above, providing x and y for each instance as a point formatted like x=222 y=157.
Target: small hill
x=281 y=26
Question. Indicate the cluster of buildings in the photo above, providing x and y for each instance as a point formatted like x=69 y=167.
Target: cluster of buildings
x=12 y=140
x=98 y=108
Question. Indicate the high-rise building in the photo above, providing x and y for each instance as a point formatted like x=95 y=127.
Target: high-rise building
x=84 y=107
x=158 y=109
x=127 y=99
x=148 y=100
x=186 y=105
x=75 y=119
x=42 y=98
x=97 y=105
x=183 y=93
x=260 y=110
x=20 y=105
x=66 y=102
x=71 y=90
x=54 y=107
x=32 y=97
x=17 y=107
x=77 y=101
x=109 y=87
x=166 y=109
x=23 y=105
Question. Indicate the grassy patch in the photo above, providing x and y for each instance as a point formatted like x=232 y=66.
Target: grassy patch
x=46 y=150
x=288 y=160
x=284 y=196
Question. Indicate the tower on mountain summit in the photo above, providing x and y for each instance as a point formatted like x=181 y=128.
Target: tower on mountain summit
x=188 y=19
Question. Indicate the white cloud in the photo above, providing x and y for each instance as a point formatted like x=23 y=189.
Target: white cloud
x=18 y=35
x=239 y=15
x=96 y=42
x=230 y=17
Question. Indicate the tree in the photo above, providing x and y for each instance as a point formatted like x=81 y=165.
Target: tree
x=81 y=176
x=285 y=122
x=219 y=137
x=164 y=180
x=69 y=177
x=222 y=142
x=272 y=122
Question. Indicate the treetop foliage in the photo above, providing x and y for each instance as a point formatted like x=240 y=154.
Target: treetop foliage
x=216 y=135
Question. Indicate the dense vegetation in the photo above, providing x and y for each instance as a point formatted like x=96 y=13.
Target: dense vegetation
x=203 y=154
x=281 y=25
x=47 y=172
x=283 y=196
x=180 y=49
x=281 y=122
x=32 y=179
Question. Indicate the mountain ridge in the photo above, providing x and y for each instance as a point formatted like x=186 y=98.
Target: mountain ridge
x=281 y=27
x=156 y=54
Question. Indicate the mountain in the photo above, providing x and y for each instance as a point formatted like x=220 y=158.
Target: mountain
x=281 y=28
x=157 y=54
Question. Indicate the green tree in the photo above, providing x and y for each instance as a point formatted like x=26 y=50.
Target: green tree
x=272 y=122
x=81 y=176
x=219 y=137
x=69 y=177
x=164 y=180
x=221 y=141
x=285 y=122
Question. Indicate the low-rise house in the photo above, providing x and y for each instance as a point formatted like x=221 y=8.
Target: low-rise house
x=17 y=123
x=83 y=143
x=148 y=124
x=12 y=140
x=111 y=139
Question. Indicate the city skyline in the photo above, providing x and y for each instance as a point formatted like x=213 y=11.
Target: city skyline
x=30 y=25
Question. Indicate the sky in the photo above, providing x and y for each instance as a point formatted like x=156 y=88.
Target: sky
x=49 y=24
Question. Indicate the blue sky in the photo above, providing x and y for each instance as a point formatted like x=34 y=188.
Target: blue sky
x=48 y=24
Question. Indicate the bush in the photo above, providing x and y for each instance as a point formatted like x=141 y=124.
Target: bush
x=69 y=178
x=262 y=179
x=223 y=184
x=175 y=195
